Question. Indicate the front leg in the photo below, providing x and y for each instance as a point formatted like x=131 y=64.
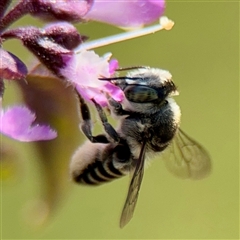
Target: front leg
x=117 y=108
x=107 y=126
x=86 y=125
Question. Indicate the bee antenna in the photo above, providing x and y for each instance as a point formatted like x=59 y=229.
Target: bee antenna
x=131 y=68
x=118 y=78
x=124 y=77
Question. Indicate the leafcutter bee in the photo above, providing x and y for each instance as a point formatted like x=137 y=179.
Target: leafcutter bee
x=148 y=123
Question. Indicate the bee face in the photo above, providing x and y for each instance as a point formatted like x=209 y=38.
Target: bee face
x=147 y=90
x=148 y=85
x=149 y=120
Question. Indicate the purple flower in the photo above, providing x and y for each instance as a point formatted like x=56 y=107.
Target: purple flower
x=127 y=14
x=17 y=123
x=84 y=70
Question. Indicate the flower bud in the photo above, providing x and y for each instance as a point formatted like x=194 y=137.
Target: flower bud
x=51 y=54
x=64 y=34
x=67 y=10
x=11 y=67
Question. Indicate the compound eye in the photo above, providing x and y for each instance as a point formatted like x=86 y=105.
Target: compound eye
x=140 y=94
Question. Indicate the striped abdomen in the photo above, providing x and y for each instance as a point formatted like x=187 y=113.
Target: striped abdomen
x=96 y=163
x=98 y=173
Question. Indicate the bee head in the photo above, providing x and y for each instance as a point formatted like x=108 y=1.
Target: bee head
x=146 y=85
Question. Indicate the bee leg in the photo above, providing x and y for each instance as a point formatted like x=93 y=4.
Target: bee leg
x=107 y=126
x=101 y=139
x=117 y=107
x=86 y=125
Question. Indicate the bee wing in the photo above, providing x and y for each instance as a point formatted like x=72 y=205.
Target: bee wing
x=133 y=189
x=186 y=158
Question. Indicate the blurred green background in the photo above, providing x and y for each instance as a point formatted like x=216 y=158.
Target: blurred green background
x=202 y=53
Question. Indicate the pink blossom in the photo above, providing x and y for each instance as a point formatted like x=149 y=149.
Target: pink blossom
x=17 y=122
x=85 y=69
x=126 y=13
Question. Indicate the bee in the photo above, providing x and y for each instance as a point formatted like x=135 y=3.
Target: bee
x=148 y=123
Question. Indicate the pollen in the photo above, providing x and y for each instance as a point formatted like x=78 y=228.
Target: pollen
x=166 y=23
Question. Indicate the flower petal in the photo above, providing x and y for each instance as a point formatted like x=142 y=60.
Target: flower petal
x=84 y=70
x=16 y=122
x=115 y=92
x=127 y=13
x=93 y=93
x=37 y=133
x=113 y=65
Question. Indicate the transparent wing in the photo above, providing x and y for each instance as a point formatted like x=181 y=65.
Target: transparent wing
x=186 y=158
x=133 y=189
